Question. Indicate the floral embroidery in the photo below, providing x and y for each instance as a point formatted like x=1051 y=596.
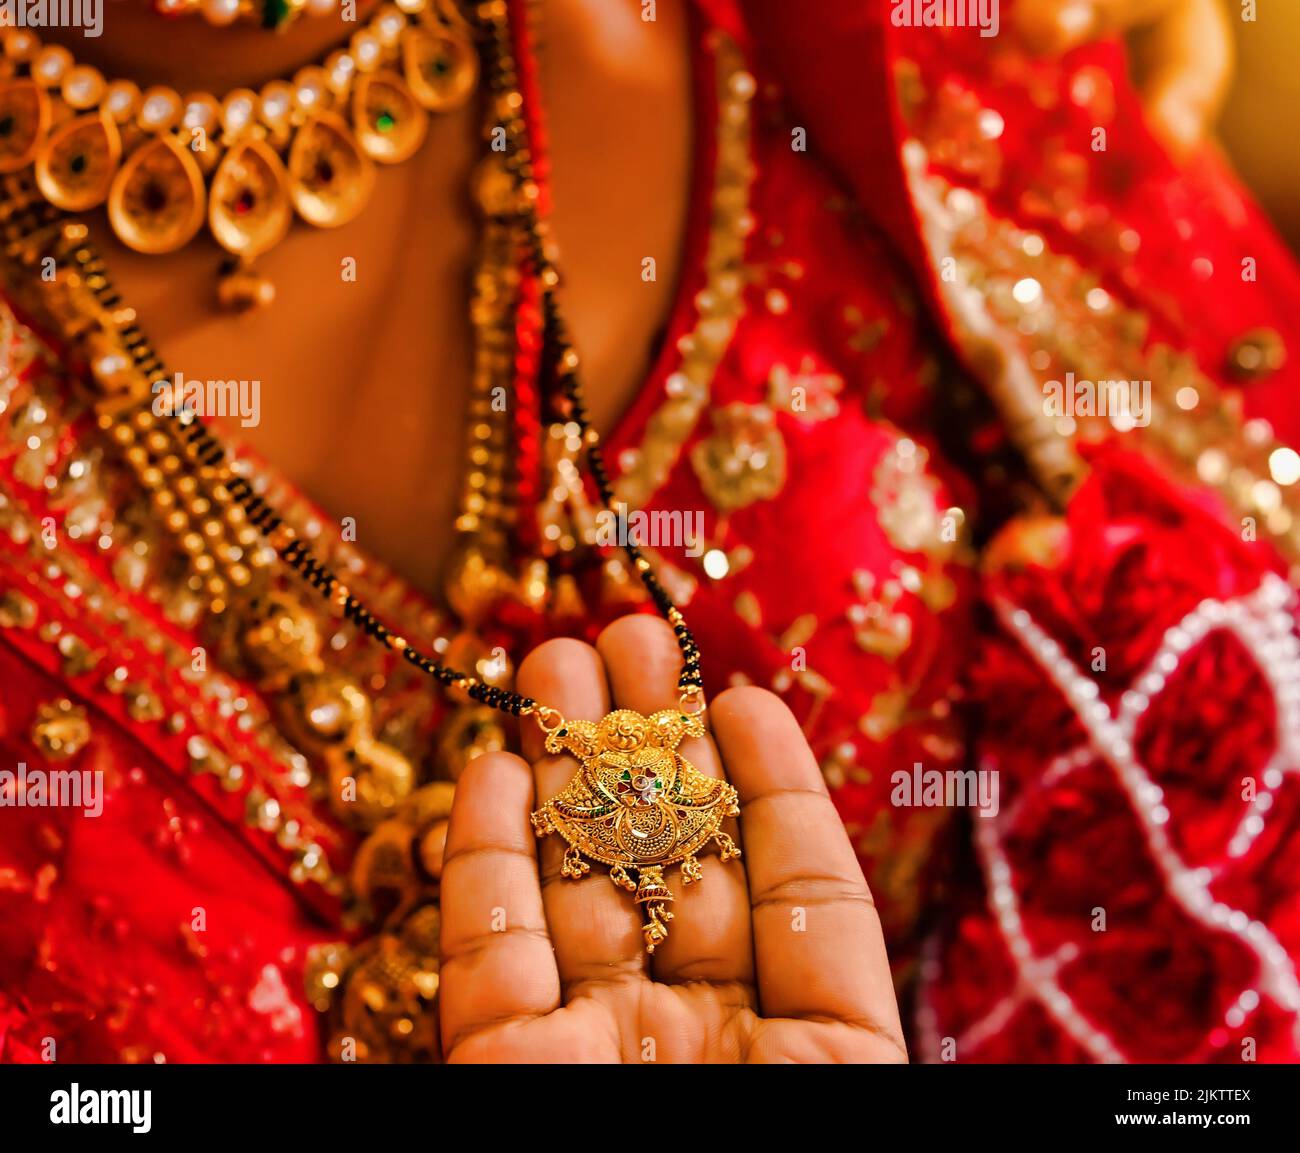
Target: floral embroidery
x=744 y=460
x=807 y=394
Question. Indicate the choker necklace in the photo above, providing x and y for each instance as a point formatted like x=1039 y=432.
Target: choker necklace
x=165 y=164
x=274 y=15
x=635 y=803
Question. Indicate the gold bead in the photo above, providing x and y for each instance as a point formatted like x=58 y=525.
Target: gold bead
x=243 y=289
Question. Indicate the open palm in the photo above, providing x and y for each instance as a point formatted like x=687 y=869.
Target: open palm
x=777 y=956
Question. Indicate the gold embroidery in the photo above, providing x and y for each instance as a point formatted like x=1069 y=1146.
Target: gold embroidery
x=60 y=730
x=806 y=394
x=744 y=459
x=1026 y=316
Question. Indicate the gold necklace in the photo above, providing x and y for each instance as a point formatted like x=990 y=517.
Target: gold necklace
x=635 y=803
x=245 y=165
x=270 y=14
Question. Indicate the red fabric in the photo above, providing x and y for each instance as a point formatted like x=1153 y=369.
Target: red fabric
x=1158 y=977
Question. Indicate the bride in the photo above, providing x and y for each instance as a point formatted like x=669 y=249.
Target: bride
x=501 y=268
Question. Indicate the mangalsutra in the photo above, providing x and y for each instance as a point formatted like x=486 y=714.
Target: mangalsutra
x=635 y=804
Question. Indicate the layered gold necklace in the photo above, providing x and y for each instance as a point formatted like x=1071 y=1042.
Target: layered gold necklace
x=635 y=803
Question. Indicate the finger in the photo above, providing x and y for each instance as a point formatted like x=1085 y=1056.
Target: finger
x=497 y=963
x=594 y=925
x=818 y=945
x=709 y=939
x=642 y=663
x=1186 y=62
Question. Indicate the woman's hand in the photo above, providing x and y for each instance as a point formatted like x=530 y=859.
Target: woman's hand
x=777 y=956
x=1182 y=53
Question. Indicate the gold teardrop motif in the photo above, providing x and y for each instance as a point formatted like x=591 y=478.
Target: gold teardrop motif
x=157 y=200
x=24 y=118
x=441 y=67
x=330 y=178
x=390 y=125
x=75 y=165
x=248 y=204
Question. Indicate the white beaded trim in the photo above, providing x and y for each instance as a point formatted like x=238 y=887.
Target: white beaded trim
x=1264 y=624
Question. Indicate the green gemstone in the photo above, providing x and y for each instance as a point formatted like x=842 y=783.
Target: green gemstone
x=276 y=13
x=562 y=733
x=385 y=121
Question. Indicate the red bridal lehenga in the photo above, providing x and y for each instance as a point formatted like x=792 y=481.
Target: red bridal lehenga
x=901 y=541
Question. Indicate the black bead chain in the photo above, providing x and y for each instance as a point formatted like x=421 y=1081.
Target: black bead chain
x=26 y=219
x=559 y=359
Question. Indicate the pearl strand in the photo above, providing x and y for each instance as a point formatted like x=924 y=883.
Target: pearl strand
x=1036 y=975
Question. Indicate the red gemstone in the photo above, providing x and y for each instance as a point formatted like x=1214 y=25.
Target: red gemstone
x=154 y=197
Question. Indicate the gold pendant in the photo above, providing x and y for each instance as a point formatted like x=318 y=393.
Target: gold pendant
x=388 y=123
x=249 y=210
x=637 y=805
x=157 y=201
x=330 y=178
x=24 y=120
x=76 y=164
